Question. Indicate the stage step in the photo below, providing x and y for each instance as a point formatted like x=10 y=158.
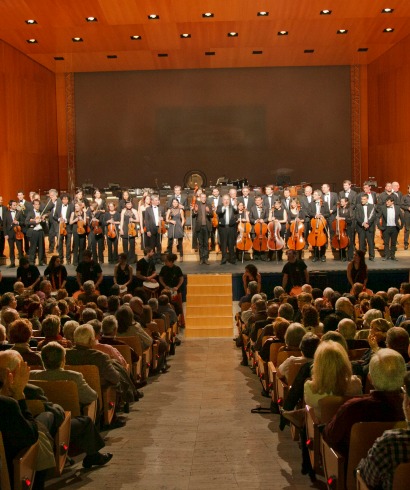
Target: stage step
x=209 y=305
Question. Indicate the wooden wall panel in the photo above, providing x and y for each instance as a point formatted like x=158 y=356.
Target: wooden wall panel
x=389 y=122
x=28 y=124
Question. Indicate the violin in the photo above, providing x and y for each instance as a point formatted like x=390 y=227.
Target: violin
x=193 y=202
x=63 y=228
x=132 y=230
x=244 y=242
x=317 y=236
x=162 y=228
x=260 y=242
x=275 y=241
x=81 y=225
x=18 y=233
x=112 y=231
x=97 y=230
x=340 y=239
x=296 y=241
x=215 y=220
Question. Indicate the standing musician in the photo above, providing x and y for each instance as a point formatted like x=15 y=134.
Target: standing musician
x=175 y=218
x=196 y=197
x=61 y=216
x=233 y=196
x=346 y=213
x=268 y=198
x=396 y=190
x=78 y=223
x=388 y=192
x=79 y=197
x=319 y=210
x=247 y=201
x=405 y=206
x=331 y=199
x=365 y=218
x=279 y=216
x=214 y=201
x=112 y=220
x=96 y=235
x=101 y=205
x=35 y=232
x=182 y=200
x=227 y=215
x=286 y=199
x=305 y=202
x=24 y=206
x=125 y=197
x=349 y=194
x=142 y=206
x=128 y=230
x=13 y=221
x=50 y=209
x=371 y=195
x=202 y=213
x=154 y=220
x=3 y=211
x=296 y=211
x=258 y=214
x=391 y=222
x=243 y=213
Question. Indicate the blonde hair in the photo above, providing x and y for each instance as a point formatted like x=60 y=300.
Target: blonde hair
x=331 y=369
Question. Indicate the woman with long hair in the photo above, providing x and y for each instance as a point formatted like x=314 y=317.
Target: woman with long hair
x=56 y=273
x=251 y=274
x=357 y=269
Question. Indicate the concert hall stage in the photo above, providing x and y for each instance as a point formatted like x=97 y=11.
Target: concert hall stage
x=382 y=275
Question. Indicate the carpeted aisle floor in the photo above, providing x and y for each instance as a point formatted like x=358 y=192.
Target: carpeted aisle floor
x=194 y=430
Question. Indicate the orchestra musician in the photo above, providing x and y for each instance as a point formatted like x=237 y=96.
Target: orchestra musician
x=258 y=214
x=371 y=195
x=269 y=198
x=3 y=211
x=153 y=221
x=286 y=199
x=79 y=197
x=112 y=220
x=396 y=190
x=243 y=213
x=128 y=230
x=278 y=215
x=391 y=222
x=405 y=206
x=13 y=219
x=365 y=218
x=182 y=200
x=319 y=210
x=233 y=196
x=331 y=199
x=24 y=207
x=101 y=205
x=50 y=209
x=175 y=218
x=383 y=196
x=96 y=234
x=142 y=206
x=62 y=216
x=78 y=216
x=296 y=211
x=245 y=199
x=346 y=213
x=227 y=226
x=202 y=213
x=125 y=197
x=214 y=201
x=305 y=202
x=35 y=232
x=349 y=194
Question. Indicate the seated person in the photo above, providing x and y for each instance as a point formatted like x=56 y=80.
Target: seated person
x=347 y=328
x=387 y=370
x=109 y=328
x=127 y=327
x=89 y=295
x=4 y=344
x=397 y=339
x=50 y=328
x=164 y=306
x=20 y=333
x=308 y=346
x=389 y=450
x=111 y=351
x=280 y=326
x=69 y=329
x=28 y=274
x=88 y=270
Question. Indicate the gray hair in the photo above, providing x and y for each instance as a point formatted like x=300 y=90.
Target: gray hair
x=387 y=369
x=347 y=328
x=153 y=302
x=53 y=355
x=69 y=329
x=253 y=287
x=286 y=311
x=109 y=325
x=88 y=314
x=89 y=287
x=50 y=326
x=371 y=315
x=294 y=334
x=84 y=335
x=255 y=298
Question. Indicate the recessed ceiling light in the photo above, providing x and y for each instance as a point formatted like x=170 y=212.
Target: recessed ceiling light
x=387 y=11
x=309 y=51
x=153 y=17
x=91 y=19
x=136 y=38
x=207 y=15
x=162 y=55
x=233 y=34
x=185 y=36
x=363 y=50
x=77 y=39
x=283 y=33
x=342 y=31
x=59 y=58
x=325 y=12
x=31 y=21
x=263 y=13
x=388 y=29
x=257 y=52
x=209 y=53
x=112 y=56
x=32 y=41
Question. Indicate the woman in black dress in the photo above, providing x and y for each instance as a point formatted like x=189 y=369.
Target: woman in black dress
x=123 y=273
x=56 y=273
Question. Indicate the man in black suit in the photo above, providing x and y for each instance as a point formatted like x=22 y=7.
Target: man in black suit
x=305 y=201
x=391 y=222
x=13 y=218
x=202 y=212
x=50 y=210
x=396 y=190
x=227 y=229
x=3 y=212
x=35 y=233
x=405 y=206
x=183 y=200
x=61 y=214
x=383 y=196
x=269 y=198
x=24 y=206
x=247 y=201
x=371 y=195
x=365 y=218
x=214 y=201
x=331 y=199
x=286 y=199
x=258 y=214
x=348 y=193
x=153 y=217
x=319 y=210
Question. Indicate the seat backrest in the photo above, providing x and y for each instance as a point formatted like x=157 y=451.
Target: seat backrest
x=91 y=375
x=355 y=354
x=329 y=405
x=293 y=371
x=160 y=325
x=362 y=437
x=401 y=476
x=62 y=392
x=245 y=306
x=125 y=351
x=134 y=342
x=273 y=353
x=147 y=313
x=284 y=354
x=4 y=472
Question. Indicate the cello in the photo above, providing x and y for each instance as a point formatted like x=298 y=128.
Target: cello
x=243 y=241
x=296 y=240
x=215 y=223
x=260 y=242
x=340 y=239
x=317 y=236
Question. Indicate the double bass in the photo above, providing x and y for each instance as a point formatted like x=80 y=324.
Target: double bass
x=340 y=239
x=296 y=240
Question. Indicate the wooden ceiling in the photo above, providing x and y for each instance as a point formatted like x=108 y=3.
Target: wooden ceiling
x=58 y=21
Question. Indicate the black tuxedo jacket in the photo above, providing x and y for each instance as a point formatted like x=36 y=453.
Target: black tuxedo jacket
x=251 y=202
x=149 y=218
x=183 y=201
x=265 y=202
x=253 y=214
x=221 y=212
x=359 y=196
x=371 y=215
x=352 y=197
x=332 y=205
x=8 y=223
x=398 y=217
x=210 y=201
x=324 y=210
x=304 y=204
